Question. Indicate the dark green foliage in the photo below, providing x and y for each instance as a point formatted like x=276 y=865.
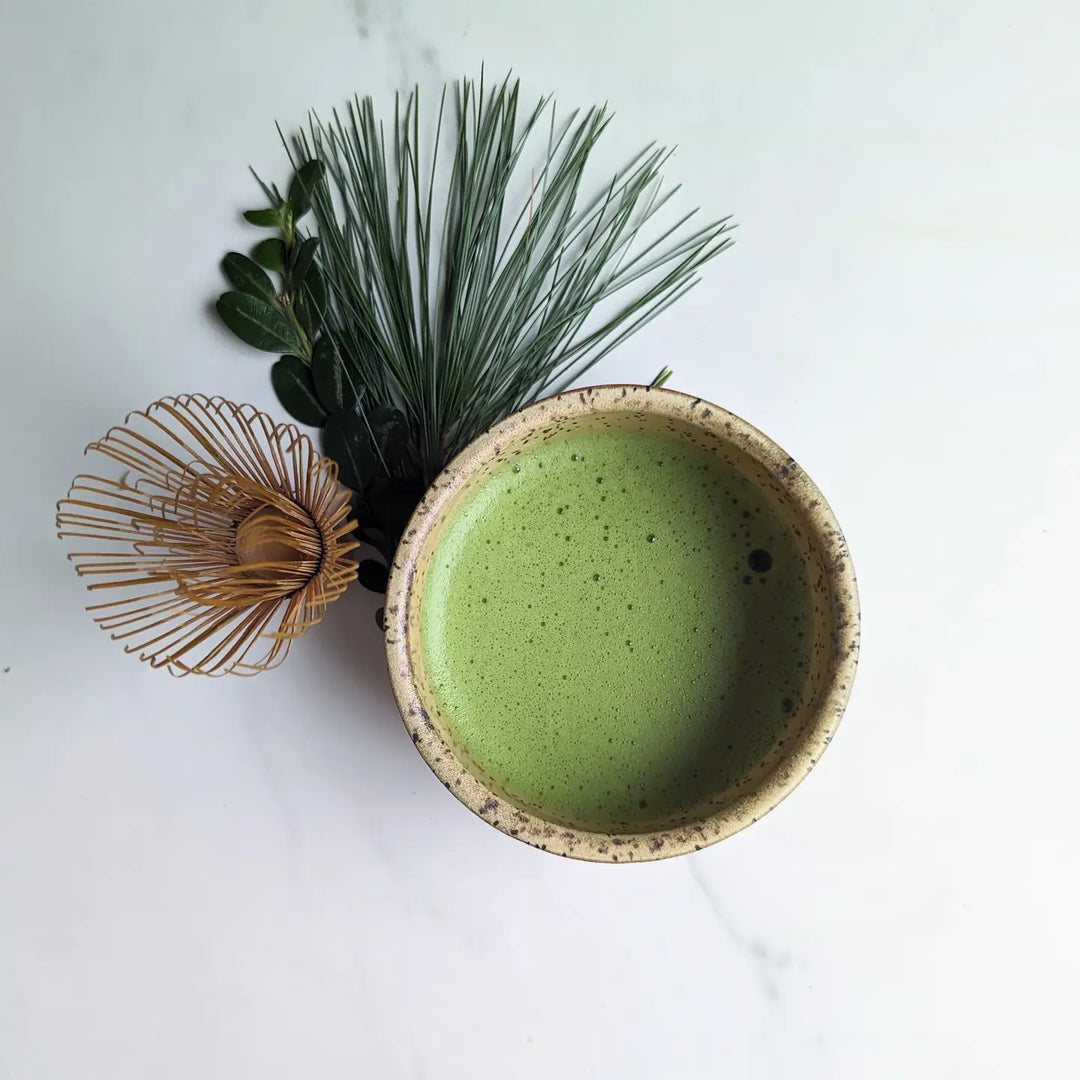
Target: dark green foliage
x=413 y=327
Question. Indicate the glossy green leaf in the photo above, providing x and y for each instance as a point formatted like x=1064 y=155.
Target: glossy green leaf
x=270 y=253
x=248 y=277
x=302 y=263
x=292 y=383
x=393 y=500
x=258 y=323
x=346 y=440
x=391 y=431
x=303 y=185
x=337 y=391
x=372 y=575
x=265 y=219
x=302 y=311
x=315 y=290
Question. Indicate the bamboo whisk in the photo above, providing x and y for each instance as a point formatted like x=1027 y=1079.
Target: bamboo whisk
x=222 y=542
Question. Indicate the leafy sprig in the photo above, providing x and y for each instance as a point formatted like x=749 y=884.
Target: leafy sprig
x=311 y=380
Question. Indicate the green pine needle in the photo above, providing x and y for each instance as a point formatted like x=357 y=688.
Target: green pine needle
x=462 y=287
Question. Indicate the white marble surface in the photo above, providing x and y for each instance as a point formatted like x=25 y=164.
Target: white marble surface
x=261 y=878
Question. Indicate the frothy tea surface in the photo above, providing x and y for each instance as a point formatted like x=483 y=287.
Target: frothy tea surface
x=616 y=627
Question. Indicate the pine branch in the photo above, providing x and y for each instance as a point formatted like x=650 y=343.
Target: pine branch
x=509 y=301
x=440 y=291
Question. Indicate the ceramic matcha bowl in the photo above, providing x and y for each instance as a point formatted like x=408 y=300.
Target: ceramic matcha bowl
x=622 y=624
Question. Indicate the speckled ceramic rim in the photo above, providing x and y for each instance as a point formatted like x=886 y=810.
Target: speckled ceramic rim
x=790 y=769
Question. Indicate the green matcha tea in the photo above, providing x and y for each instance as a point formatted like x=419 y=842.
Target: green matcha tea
x=616 y=627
